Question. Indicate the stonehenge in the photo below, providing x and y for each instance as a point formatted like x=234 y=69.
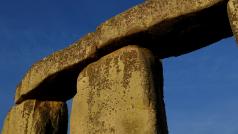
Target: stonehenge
x=114 y=75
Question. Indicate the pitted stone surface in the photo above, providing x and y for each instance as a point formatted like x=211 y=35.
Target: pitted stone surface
x=232 y=8
x=183 y=25
x=37 y=117
x=120 y=93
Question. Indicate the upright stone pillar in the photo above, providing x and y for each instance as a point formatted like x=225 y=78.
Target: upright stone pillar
x=37 y=117
x=232 y=8
x=121 y=93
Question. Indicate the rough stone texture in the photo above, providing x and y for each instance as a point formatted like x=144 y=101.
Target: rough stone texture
x=170 y=27
x=37 y=117
x=232 y=8
x=120 y=93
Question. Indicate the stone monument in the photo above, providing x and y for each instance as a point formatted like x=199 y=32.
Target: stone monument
x=114 y=74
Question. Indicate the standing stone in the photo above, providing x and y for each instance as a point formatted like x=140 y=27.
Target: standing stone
x=232 y=8
x=121 y=93
x=37 y=117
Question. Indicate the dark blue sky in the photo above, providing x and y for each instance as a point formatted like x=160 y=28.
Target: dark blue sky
x=201 y=88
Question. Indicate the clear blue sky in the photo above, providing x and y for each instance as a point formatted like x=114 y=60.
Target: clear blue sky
x=201 y=88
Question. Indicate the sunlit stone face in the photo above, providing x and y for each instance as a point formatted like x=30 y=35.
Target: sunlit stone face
x=117 y=94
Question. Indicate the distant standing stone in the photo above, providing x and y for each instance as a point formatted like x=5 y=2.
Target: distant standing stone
x=37 y=117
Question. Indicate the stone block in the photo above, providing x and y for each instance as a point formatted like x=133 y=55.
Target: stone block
x=232 y=9
x=121 y=93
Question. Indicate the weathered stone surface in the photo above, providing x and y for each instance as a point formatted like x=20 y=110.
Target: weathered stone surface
x=232 y=8
x=170 y=27
x=120 y=93
x=37 y=117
